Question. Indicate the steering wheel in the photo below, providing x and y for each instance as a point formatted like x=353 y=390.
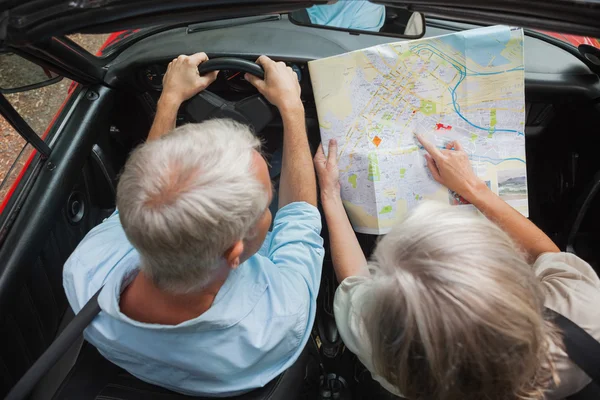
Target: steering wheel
x=254 y=110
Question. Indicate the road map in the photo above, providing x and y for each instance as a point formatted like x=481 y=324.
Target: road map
x=468 y=86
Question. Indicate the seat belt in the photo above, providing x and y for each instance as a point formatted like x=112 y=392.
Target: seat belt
x=581 y=347
x=53 y=353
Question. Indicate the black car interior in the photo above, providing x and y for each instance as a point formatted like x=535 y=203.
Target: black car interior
x=75 y=189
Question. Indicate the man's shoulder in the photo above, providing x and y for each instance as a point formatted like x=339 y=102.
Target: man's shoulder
x=101 y=250
x=105 y=241
x=282 y=296
x=294 y=249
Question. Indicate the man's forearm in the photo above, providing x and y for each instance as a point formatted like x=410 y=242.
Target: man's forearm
x=165 y=118
x=531 y=238
x=298 y=181
x=346 y=254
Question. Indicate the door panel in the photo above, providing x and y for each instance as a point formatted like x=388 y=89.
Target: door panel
x=45 y=232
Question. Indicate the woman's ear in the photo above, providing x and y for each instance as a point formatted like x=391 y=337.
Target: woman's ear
x=233 y=254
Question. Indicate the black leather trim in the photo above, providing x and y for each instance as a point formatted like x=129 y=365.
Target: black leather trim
x=32 y=299
x=46 y=198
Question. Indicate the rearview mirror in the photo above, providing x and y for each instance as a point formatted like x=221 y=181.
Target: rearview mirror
x=18 y=74
x=362 y=16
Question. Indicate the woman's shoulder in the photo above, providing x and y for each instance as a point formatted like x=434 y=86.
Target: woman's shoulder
x=350 y=296
x=572 y=289
x=565 y=266
x=571 y=286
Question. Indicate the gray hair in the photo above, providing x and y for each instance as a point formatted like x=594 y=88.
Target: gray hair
x=456 y=312
x=187 y=197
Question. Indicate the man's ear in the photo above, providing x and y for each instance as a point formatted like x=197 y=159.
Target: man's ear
x=233 y=254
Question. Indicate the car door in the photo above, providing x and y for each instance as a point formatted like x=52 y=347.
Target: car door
x=55 y=187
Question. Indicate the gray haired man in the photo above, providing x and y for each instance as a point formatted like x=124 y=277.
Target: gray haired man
x=198 y=297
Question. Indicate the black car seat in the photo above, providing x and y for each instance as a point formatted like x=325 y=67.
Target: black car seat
x=112 y=382
x=94 y=377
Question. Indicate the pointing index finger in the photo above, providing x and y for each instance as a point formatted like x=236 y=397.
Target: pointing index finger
x=430 y=147
x=457 y=146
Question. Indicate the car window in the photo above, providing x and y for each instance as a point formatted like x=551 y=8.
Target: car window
x=14 y=153
x=38 y=107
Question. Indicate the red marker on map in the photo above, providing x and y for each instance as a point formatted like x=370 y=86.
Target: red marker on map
x=442 y=126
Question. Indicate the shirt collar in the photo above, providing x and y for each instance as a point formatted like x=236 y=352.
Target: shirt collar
x=235 y=300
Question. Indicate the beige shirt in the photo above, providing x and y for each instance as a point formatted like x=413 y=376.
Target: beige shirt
x=572 y=289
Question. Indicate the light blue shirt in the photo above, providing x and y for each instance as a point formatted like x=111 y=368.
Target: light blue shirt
x=356 y=14
x=256 y=328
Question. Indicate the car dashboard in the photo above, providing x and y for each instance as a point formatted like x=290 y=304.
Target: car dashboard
x=561 y=91
x=552 y=75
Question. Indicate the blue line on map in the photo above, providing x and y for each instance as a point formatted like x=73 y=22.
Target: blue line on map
x=462 y=70
x=497 y=161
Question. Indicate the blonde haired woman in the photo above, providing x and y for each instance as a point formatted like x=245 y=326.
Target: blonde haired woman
x=452 y=305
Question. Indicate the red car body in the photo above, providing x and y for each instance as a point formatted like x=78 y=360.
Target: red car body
x=575 y=40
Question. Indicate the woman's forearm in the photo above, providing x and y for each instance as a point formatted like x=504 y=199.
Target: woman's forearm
x=346 y=253
x=531 y=238
x=451 y=167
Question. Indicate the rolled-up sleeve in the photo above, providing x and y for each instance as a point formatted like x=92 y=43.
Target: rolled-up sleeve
x=296 y=245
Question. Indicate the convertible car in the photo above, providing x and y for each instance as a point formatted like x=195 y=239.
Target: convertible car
x=68 y=186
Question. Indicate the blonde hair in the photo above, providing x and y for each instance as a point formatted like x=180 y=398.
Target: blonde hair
x=456 y=312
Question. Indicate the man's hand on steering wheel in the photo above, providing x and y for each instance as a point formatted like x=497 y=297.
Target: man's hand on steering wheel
x=280 y=85
x=182 y=79
x=181 y=82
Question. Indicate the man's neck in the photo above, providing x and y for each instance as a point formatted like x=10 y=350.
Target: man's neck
x=142 y=301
